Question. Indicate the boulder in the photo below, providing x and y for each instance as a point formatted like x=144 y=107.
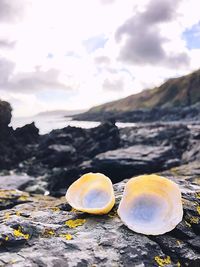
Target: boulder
x=5 y=113
x=27 y=134
x=72 y=145
x=126 y=162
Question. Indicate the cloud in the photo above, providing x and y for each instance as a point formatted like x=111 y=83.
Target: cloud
x=37 y=80
x=102 y=60
x=6 y=44
x=113 y=85
x=6 y=70
x=11 y=11
x=107 y=1
x=142 y=42
x=29 y=82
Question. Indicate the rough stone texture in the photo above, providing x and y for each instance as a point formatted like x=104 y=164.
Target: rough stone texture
x=34 y=231
x=27 y=134
x=17 y=146
x=142 y=149
x=14 y=181
x=5 y=113
x=59 y=158
x=126 y=162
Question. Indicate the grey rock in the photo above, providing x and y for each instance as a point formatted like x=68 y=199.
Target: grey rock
x=126 y=162
x=14 y=181
x=35 y=233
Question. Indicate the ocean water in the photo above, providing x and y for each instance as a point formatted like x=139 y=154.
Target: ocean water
x=46 y=124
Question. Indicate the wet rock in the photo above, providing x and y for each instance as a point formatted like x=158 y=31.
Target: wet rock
x=45 y=231
x=126 y=162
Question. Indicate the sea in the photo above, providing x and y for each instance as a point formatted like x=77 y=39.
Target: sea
x=46 y=124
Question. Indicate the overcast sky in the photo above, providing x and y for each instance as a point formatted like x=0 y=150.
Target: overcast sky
x=73 y=54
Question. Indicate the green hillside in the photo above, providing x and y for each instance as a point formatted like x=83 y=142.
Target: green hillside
x=183 y=91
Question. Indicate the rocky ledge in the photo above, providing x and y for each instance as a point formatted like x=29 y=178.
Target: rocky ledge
x=42 y=231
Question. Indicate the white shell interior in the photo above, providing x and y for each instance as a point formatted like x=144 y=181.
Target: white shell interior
x=149 y=212
x=95 y=199
x=145 y=211
x=93 y=192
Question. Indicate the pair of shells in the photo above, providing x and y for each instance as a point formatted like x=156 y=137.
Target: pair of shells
x=150 y=204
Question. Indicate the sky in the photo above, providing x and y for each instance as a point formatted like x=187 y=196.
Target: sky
x=74 y=54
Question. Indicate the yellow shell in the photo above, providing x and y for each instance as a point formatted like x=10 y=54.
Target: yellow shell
x=151 y=205
x=92 y=193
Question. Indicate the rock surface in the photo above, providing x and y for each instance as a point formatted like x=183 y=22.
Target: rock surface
x=5 y=113
x=40 y=230
x=60 y=157
x=126 y=162
x=138 y=150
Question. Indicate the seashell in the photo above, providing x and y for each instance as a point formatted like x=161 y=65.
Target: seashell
x=92 y=193
x=151 y=205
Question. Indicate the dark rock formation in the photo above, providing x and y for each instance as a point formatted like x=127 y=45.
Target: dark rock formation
x=156 y=114
x=17 y=146
x=5 y=113
x=70 y=146
x=142 y=149
x=45 y=231
x=57 y=159
x=126 y=162
x=27 y=134
x=73 y=145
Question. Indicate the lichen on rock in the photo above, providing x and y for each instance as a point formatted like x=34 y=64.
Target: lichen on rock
x=70 y=238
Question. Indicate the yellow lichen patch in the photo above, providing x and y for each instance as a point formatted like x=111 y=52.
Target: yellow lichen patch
x=194 y=220
x=18 y=233
x=7 y=193
x=188 y=224
x=75 y=223
x=23 y=198
x=18 y=213
x=162 y=261
x=178 y=264
x=7 y=215
x=198 y=209
x=197 y=195
x=48 y=233
x=66 y=236
x=178 y=242
x=56 y=209
x=6 y=238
